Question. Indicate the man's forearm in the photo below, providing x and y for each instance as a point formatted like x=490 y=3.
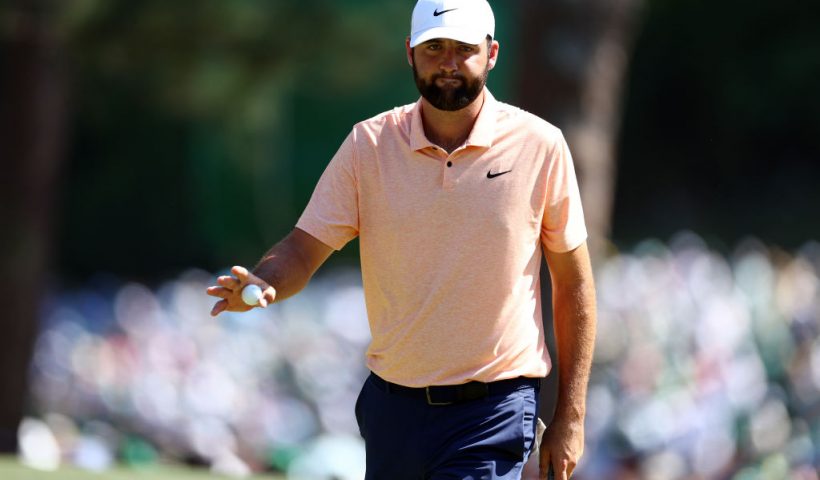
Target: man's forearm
x=289 y=264
x=575 y=322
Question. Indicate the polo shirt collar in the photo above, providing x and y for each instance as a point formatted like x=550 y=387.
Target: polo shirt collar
x=418 y=141
x=483 y=131
x=481 y=135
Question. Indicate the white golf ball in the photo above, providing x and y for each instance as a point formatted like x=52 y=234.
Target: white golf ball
x=251 y=294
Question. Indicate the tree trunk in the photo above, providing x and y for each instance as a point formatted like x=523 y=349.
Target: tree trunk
x=32 y=104
x=573 y=62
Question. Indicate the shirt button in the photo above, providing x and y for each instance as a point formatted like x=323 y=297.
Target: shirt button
x=449 y=164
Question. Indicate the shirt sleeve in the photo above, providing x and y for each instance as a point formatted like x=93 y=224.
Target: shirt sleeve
x=332 y=214
x=562 y=226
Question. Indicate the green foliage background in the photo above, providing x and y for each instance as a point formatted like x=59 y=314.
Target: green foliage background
x=199 y=128
x=721 y=129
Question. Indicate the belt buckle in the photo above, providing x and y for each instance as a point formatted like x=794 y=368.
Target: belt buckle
x=430 y=400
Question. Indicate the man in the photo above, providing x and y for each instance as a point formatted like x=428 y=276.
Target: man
x=454 y=199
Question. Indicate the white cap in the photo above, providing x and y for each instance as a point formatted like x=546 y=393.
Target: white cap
x=468 y=21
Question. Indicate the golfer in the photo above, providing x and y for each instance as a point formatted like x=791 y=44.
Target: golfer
x=454 y=199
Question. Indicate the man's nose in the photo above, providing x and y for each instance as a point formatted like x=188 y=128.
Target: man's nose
x=448 y=61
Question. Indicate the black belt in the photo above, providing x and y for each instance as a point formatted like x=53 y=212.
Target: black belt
x=450 y=394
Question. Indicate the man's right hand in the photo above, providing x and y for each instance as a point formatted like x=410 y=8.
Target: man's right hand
x=229 y=289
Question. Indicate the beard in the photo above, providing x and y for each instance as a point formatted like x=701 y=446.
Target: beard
x=450 y=99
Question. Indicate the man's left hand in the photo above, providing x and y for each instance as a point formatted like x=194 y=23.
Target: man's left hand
x=561 y=446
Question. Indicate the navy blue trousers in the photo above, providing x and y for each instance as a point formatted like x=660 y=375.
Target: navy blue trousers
x=486 y=438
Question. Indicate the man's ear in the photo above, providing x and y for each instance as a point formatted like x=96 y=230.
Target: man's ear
x=409 y=51
x=492 y=54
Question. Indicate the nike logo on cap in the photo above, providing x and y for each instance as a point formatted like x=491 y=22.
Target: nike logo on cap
x=436 y=13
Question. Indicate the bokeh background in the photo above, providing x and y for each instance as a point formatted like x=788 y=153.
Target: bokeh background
x=147 y=146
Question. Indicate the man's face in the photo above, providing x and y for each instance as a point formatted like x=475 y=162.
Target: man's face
x=450 y=74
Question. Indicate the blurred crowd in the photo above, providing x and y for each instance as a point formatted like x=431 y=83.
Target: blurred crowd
x=707 y=366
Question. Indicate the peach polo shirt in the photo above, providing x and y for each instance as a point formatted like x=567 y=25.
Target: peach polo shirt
x=451 y=243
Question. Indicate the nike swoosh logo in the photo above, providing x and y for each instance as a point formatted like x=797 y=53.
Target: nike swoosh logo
x=493 y=175
x=436 y=13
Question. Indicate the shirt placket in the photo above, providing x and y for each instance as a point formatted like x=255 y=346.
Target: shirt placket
x=451 y=165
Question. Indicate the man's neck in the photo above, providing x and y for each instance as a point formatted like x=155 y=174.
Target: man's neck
x=449 y=130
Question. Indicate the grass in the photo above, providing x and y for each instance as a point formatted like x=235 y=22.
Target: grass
x=11 y=469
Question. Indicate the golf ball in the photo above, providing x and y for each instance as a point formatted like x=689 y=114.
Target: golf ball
x=251 y=294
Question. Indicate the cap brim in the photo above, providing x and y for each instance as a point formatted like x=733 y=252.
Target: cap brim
x=460 y=34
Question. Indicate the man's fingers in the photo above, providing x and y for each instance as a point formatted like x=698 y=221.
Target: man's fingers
x=547 y=474
x=564 y=470
x=219 y=307
x=228 y=282
x=544 y=465
x=241 y=273
x=269 y=295
x=548 y=471
x=220 y=292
